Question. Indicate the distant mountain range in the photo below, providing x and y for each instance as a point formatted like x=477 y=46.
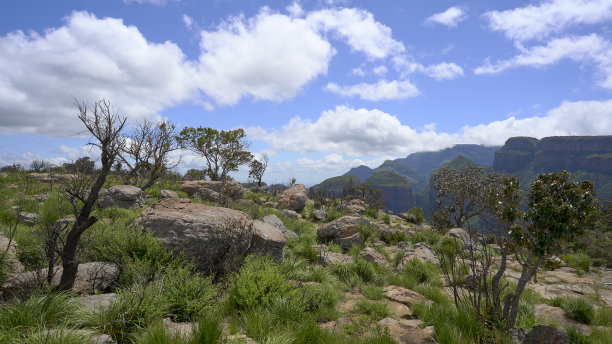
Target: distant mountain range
x=405 y=182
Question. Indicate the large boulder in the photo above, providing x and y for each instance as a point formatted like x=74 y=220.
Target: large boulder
x=28 y=218
x=213 y=190
x=343 y=230
x=373 y=256
x=213 y=238
x=91 y=277
x=421 y=251
x=294 y=198
x=546 y=335
x=327 y=257
x=122 y=196
x=9 y=246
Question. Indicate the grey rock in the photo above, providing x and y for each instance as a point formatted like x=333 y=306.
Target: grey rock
x=122 y=196
x=276 y=222
x=546 y=335
x=290 y=213
x=28 y=218
x=327 y=257
x=195 y=188
x=343 y=227
x=371 y=255
x=421 y=251
x=267 y=240
x=320 y=215
x=94 y=303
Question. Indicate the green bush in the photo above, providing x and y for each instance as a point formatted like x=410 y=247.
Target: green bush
x=188 y=293
x=427 y=236
x=317 y=297
x=208 y=330
x=418 y=215
x=386 y=219
x=578 y=261
x=259 y=280
x=372 y=292
x=422 y=272
x=57 y=336
x=377 y=310
x=333 y=213
x=372 y=213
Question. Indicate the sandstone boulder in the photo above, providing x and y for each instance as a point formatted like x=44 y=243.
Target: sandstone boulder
x=91 y=277
x=276 y=222
x=402 y=295
x=10 y=247
x=168 y=194
x=327 y=257
x=122 y=196
x=546 y=335
x=267 y=240
x=421 y=251
x=294 y=198
x=319 y=215
x=343 y=230
x=213 y=238
x=209 y=189
x=290 y=213
x=371 y=255
x=28 y=218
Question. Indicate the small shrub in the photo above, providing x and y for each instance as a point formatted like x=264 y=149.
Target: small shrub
x=579 y=309
x=208 y=330
x=286 y=309
x=369 y=233
x=386 y=219
x=579 y=261
x=317 y=297
x=372 y=213
x=259 y=281
x=427 y=236
x=423 y=272
x=377 y=310
x=372 y=292
x=417 y=214
x=58 y=336
x=603 y=317
x=188 y=294
x=333 y=213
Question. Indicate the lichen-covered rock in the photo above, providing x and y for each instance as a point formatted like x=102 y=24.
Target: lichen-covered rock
x=122 y=196
x=402 y=295
x=546 y=335
x=319 y=215
x=327 y=257
x=290 y=213
x=421 y=251
x=294 y=198
x=28 y=218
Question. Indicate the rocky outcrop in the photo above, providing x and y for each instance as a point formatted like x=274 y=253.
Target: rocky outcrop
x=122 y=196
x=371 y=255
x=168 y=194
x=213 y=190
x=326 y=257
x=28 y=218
x=546 y=335
x=213 y=238
x=421 y=251
x=571 y=153
x=294 y=198
x=343 y=231
x=50 y=177
x=91 y=277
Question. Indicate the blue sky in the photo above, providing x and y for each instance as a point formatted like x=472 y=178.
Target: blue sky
x=320 y=86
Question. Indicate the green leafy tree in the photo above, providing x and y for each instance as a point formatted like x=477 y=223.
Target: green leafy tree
x=462 y=193
x=223 y=150
x=258 y=168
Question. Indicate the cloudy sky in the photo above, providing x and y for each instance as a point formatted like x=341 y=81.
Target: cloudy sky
x=319 y=85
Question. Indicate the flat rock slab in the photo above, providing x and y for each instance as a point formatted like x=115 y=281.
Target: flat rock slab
x=550 y=291
x=402 y=295
x=404 y=331
x=94 y=303
x=557 y=315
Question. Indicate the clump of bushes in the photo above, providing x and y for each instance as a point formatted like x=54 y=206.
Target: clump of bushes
x=578 y=261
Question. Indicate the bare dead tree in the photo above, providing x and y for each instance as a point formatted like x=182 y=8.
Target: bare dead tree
x=105 y=126
x=147 y=153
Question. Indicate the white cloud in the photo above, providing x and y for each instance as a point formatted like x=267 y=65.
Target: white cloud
x=295 y=10
x=359 y=29
x=358 y=71
x=380 y=70
x=363 y=132
x=591 y=49
x=188 y=21
x=439 y=72
x=275 y=44
x=87 y=58
x=451 y=17
x=152 y=2
x=548 y=17
x=382 y=90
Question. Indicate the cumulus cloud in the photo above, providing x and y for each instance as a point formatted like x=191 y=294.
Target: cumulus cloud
x=451 y=17
x=371 y=132
x=275 y=45
x=359 y=29
x=382 y=90
x=439 y=72
x=548 y=17
x=152 y=2
x=188 y=21
x=87 y=58
x=591 y=49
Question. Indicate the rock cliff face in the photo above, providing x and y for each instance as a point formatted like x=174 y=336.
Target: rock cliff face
x=571 y=153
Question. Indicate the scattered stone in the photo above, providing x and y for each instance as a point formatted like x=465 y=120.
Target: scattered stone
x=546 y=335
x=403 y=330
x=91 y=277
x=50 y=178
x=40 y=197
x=421 y=251
x=371 y=255
x=246 y=203
x=122 y=196
x=271 y=204
x=276 y=222
x=429 y=333
x=327 y=257
x=181 y=329
x=320 y=215
x=94 y=303
x=402 y=295
x=294 y=198
x=400 y=309
x=343 y=230
x=290 y=213
x=168 y=194
x=28 y=218
x=408 y=217
x=328 y=326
